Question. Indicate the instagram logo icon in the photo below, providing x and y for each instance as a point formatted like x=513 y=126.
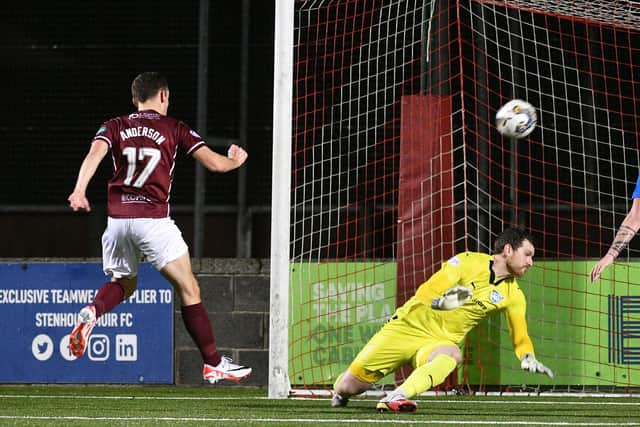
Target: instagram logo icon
x=98 y=347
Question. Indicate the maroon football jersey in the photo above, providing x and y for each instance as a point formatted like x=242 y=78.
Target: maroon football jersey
x=144 y=146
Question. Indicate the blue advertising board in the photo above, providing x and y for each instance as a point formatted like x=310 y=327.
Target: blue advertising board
x=39 y=305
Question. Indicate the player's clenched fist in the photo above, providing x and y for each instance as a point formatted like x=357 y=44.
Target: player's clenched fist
x=79 y=202
x=237 y=153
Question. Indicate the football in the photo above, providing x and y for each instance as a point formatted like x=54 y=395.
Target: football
x=516 y=119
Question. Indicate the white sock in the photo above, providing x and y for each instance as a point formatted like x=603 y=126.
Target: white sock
x=396 y=394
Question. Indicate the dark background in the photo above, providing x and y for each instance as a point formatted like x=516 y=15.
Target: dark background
x=67 y=66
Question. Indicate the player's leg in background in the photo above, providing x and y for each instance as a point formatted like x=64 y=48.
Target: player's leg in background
x=161 y=242
x=178 y=272
x=196 y=320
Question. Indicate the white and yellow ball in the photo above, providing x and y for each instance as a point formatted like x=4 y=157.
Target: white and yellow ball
x=516 y=119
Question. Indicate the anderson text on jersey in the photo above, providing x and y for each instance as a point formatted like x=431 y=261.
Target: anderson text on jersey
x=145 y=131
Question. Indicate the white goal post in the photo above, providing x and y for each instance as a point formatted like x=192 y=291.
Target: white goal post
x=279 y=385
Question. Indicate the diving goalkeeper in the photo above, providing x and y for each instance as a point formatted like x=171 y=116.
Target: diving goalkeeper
x=426 y=331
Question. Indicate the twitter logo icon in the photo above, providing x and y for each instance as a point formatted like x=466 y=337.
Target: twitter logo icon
x=42 y=347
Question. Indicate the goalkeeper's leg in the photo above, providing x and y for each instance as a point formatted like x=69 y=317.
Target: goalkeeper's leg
x=433 y=368
x=347 y=385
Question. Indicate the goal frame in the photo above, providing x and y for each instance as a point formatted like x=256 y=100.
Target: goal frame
x=282 y=253
x=279 y=384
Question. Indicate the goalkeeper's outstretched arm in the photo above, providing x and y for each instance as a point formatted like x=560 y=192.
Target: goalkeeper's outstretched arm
x=523 y=346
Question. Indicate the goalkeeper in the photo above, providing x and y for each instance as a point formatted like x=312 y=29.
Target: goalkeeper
x=427 y=330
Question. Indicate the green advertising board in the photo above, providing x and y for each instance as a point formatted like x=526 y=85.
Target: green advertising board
x=571 y=324
x=334 y=309
x=577 y=327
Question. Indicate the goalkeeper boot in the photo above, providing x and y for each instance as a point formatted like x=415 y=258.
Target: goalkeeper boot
x=396 y=401
x=338 y=401
x=80 y=334
x=225 y=370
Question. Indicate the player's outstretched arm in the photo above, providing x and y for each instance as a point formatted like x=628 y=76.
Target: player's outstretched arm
x=236 y=156
x=626 y=232
x=531 y=364
x=78 y=199
x=604 y=262
x=453 y=298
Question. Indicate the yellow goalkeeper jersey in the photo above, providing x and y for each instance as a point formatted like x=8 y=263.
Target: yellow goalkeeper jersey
x=473 y=270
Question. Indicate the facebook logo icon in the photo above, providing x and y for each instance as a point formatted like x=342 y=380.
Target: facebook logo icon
x=126 y=347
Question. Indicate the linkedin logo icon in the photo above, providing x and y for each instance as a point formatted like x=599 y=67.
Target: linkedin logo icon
x=126 y=347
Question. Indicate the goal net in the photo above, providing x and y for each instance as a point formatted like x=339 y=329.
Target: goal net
x=396 y=165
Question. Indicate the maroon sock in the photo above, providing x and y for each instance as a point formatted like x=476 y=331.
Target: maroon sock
x=108 y=296
x=196 y=320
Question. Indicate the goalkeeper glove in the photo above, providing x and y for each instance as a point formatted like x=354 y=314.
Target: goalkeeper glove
x=453 y=298
x=530 y=363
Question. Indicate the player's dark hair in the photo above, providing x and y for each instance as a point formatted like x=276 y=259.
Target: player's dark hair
x=512 y=236
x=147 y=85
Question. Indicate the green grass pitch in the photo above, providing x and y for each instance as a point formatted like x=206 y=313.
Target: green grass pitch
x=101 y=405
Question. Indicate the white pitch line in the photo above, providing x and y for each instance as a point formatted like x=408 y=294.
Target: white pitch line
x=68 y=396
x=305 y=420
x=534 y=402
x=462 y=400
